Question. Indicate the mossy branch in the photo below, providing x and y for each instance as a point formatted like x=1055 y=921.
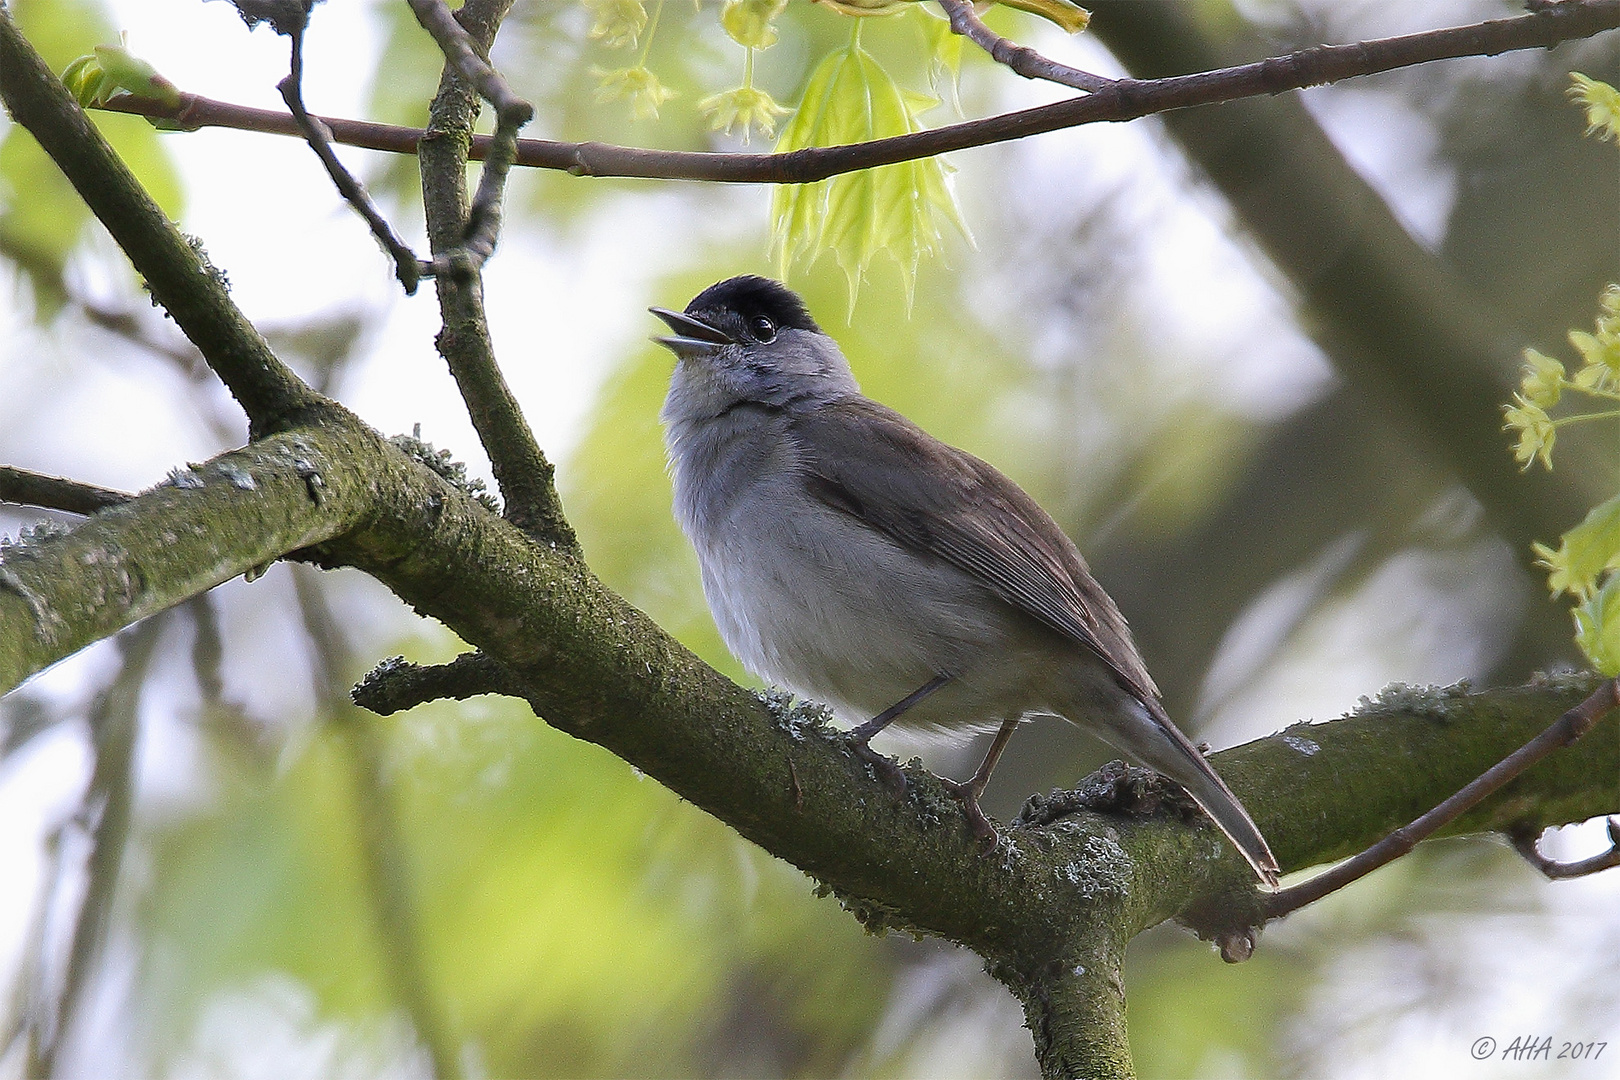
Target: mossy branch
x=201 y=527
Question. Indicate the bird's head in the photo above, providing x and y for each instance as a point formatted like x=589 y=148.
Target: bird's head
x=750 y=340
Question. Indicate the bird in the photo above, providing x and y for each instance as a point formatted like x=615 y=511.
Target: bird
x=852 y=558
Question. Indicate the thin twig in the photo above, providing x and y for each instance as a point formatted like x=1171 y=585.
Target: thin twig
x=483 y=223
x=1565 y=730
x=1123 y=99
x=122 y=323
x=1020 y=59
x=27 y=488
x=1525 y=844
x=407 y=267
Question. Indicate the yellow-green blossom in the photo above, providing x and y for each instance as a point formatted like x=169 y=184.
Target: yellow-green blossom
x=1608 y=323
x=1559 y=577
x=1072 y=17
x=617 y=23
x=746 y=106
x=1595 y=351
x=749 y=21
x=637 y=85
x=1602 y=103
x=1595 y=377
x=1535 y=428
x=1543 y=379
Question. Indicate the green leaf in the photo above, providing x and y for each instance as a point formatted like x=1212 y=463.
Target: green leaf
x=1586 y=552
x=900 y=210
x=42 y=218
x=1597 y=628
x=111 y=70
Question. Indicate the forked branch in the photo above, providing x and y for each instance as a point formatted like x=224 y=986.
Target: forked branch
x=1020 y=59
x=1564 y=731
x=1524 y=842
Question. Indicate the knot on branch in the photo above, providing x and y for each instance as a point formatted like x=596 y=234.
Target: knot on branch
x=396 y=684
x=1116 y=788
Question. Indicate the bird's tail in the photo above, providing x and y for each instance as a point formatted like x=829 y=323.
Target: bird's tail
x=1158 y=744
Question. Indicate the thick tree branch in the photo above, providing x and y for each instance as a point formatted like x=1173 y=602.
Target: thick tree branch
x=178 y=274
x=55 y=492
x=1076 y=1012
x=1056 y=895
x=521 y=469
x=199 y=528
x=1051 y=911
x=1123 y=99
x=1569 y=727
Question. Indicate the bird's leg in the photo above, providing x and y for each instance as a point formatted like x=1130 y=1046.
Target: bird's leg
x=968 y=793
x=860 y=738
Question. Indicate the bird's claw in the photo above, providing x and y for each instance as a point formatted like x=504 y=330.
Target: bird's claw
x=887 y=772
x=984 y=832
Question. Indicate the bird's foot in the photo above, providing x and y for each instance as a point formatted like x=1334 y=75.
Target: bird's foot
x=885 y=768
x=983 y=830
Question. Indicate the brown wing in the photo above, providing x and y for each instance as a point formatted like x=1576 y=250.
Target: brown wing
x=872 y=463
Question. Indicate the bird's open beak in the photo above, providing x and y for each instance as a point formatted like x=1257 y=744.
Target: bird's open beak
x=692 y=337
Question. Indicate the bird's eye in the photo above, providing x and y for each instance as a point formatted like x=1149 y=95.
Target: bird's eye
x=762 y=328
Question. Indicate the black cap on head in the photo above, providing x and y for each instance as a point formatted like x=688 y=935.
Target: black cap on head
x=750 y=296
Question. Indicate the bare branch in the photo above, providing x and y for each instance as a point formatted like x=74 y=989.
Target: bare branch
x=1524 y=842
x=1020 y=59
x=483 y=222
x=1564 y=731
x=1122 y=99
x=27 y=488
x=407 y=267
x=396 y=685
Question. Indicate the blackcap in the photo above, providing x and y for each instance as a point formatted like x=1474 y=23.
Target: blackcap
x=851 y=557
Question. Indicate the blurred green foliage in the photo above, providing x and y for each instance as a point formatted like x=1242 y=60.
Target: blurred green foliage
x=574 y=918
x=42 y=219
